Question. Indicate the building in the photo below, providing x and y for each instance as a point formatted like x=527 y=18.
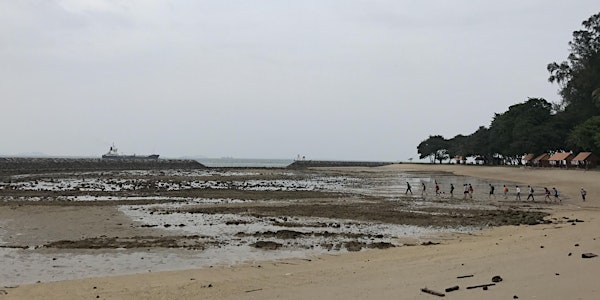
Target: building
x=585 y=160
x=541 y=160
x=528 y=159
x=561 y=159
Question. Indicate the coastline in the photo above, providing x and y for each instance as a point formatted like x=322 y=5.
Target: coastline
x=528 y=258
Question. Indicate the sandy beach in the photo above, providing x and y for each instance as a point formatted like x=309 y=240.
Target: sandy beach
x=534 y=261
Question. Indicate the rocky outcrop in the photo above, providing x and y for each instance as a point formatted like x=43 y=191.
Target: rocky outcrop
x=301 y=164
x=21 y=165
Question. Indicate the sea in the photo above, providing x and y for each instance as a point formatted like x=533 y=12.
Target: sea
x=230 y=162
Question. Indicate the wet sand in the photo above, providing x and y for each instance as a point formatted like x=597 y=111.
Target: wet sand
x=539 y=261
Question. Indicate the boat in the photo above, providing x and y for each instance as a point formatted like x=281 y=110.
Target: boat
x=113 y=153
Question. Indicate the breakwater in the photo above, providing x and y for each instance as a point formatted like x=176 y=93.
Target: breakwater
x=301 y=164
x=22 y=165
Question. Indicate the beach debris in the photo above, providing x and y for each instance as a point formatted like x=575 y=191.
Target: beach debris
x=432 y=292
x=429 y=243
x=480 y=286
x=515 y=297
x=464 y=276
x=453 y=288
x=570 y=253
x=588 y=255
x=496 y=278
x=3 y=292
x=254 y=290
x=576 y=245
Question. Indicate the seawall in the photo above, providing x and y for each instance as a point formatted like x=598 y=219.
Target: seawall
x=21 y=165
x=301 y=164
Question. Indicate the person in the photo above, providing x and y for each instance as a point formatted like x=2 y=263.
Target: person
x=423 y=191
x=408 y=188
x=583 y=193
x=466 y=190
x=530 y=193
x=555 y=191
x=505 y=190
x=518 y=191
x=471 y=191
x=451 y=190
x=547 y=193
x=492 y=188
x=437 y=188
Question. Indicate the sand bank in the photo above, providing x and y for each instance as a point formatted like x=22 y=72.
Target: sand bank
x=541 y=261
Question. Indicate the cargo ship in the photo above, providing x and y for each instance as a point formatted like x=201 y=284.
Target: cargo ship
x=113 y=153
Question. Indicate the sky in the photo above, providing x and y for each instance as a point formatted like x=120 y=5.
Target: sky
x=324 y=79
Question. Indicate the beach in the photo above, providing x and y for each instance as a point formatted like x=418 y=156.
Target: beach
x=541 y=261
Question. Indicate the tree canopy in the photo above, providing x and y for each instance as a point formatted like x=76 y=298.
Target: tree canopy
x=537 y=126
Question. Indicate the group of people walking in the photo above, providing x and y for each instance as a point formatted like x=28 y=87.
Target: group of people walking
x=468 y=192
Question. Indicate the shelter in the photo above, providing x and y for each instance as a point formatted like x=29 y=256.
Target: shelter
x=561 y=159
x=585 y=160
x=541 y=160
x=528 y=159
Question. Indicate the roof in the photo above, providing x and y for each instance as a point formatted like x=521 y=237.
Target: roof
x=544 y=156
x=583 y=156
x=528 y=157
x=560 y=156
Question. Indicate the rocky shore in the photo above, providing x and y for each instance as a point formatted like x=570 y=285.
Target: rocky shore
x=23 y=165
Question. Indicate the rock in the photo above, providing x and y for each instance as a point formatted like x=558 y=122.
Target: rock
x=496 y=278
x=588 y=255
x=267 y=245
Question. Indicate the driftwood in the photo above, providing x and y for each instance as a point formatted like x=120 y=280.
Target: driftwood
x=588 y=255
x=432 y=292
x=451 y=289
x=464 y=276
x=480 y=286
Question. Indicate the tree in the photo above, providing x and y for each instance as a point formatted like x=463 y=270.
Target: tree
x=435 y=147
x=586 y=136
x=478 y=143
x=579 y=76
x=522 y=129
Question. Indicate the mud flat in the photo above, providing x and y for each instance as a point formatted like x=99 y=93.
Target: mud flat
x=338 y=233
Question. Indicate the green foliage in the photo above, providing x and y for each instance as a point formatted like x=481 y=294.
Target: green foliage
x=586 y=136
x=521 y=129
x=435 y=147
x=579 y=76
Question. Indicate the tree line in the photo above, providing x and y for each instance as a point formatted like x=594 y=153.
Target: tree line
x=536 y=125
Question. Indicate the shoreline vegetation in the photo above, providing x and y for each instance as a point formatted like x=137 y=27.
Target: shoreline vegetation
x=543 y=261
x=537 y=126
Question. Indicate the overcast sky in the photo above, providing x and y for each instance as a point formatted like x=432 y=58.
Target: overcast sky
x=327 y=79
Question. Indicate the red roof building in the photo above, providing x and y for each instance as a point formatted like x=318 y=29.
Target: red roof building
x=541 y=160
x=585 y=160
x=561 y=159
x=528 y=159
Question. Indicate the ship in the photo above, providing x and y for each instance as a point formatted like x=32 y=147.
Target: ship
x=113 y=153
